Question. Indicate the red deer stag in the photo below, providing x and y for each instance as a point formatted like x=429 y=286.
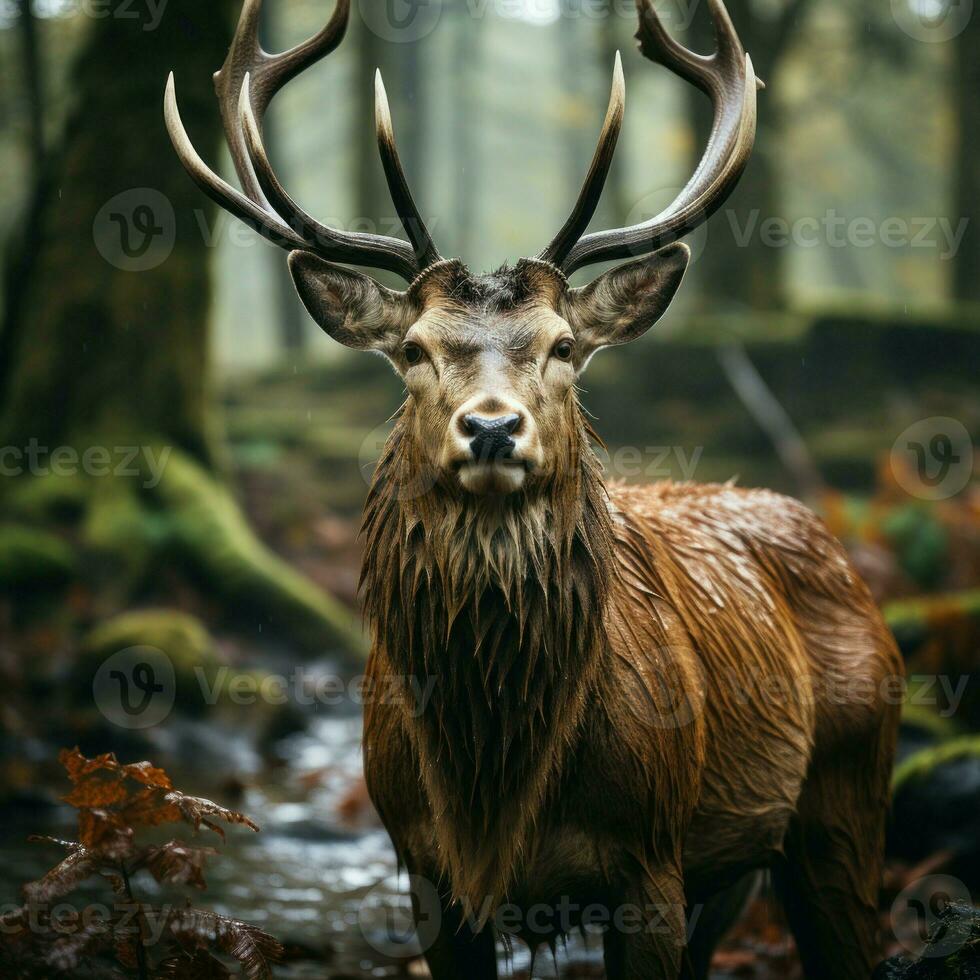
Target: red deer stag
x=640 y=694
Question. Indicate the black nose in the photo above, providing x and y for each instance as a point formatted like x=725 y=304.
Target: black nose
x=491 y=437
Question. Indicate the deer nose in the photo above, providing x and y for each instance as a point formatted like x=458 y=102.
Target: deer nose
x=491 y=436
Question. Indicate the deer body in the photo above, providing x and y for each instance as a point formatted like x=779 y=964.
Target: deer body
x=713 y=658
x=637 y=694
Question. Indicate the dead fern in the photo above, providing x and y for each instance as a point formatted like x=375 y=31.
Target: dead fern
x=47 y=936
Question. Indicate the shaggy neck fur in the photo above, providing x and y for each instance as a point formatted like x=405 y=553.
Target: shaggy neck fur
x=500 y=601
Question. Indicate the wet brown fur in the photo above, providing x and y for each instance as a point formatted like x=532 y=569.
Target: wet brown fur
x=640 y=693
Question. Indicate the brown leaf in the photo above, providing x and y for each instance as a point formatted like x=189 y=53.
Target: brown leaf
x=62 y=879
x=196 y=811
x=106 y=833
x=178 y=863
x=195 y=929
x=201 y=966
x=90 y=792
x=78 y=767
x=148 y=775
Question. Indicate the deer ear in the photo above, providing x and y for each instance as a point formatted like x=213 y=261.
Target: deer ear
x=625 y=302
x=351 y=307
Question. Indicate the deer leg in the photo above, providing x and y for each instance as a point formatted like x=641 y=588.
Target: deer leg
x=831 y=872
x=646 y=939
x=453 y=949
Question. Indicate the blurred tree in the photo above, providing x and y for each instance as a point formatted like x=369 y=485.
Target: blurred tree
x=374 y=208
x=738 y=270
x=33 y=80
x=966 y=280
x=290 y=315
x=79 y=352
x=106 y=333
x=465 y=131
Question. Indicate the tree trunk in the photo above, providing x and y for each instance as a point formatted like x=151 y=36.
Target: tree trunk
x=108 y=341
x=966 y=281
x=738 y=269
x=33 y=80
x=290 y=316
x=110 y=323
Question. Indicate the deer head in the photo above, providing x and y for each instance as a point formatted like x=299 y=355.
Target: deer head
x=490 y=362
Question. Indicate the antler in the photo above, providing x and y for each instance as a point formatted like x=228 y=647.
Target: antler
x=245 y=85
x=728 y=79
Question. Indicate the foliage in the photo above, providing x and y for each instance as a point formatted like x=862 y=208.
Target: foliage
x=47 y=936
x=958 y=928
x=923 y=763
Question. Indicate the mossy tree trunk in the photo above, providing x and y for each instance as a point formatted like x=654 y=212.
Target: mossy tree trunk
x=966 y=282
x=106 y=333
x=739 y=269
x=99 y=347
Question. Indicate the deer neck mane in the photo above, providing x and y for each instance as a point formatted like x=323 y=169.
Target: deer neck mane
x=496 y=606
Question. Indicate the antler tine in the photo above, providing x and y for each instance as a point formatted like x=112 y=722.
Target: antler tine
x=330 y=243
x=588 y=199
x=246 y=84
x=265 y=222
x=270 y=72
x=401 y=194
x=728 y=78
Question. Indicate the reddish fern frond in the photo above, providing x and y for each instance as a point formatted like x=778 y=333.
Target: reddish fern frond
x=177 y=863
x=256 y=950
x=64 y=878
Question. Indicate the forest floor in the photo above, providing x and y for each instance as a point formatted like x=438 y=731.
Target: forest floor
x=321 y=875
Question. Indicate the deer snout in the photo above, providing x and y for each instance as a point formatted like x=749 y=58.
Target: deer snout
x=491 y=437
x=494 y=444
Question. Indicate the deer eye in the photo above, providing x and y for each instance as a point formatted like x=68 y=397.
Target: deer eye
x=563 y=350
x=413 y=353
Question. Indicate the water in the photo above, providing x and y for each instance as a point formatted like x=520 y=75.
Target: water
x=321 y=876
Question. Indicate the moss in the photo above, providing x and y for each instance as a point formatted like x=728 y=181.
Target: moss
x=920 y=542
x=210 y=535
x=914 y=620
x=46 y=499
x=33 y=558
x=926 y=719
x=183 y=638
x=920 y=765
